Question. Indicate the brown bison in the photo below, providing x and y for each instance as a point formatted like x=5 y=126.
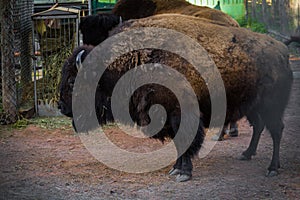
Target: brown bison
x=254 y=68
x=136 y=9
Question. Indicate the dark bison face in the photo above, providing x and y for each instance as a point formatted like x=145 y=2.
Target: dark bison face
x=95 y=28
x=68 y=76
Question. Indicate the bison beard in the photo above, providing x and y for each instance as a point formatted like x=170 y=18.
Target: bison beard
x=254 y=68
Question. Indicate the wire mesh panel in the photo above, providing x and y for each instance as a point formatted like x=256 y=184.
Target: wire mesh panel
x=55 y=36
x=1 y=104
x=22 y=55
x=8 y=86
x=16 y=97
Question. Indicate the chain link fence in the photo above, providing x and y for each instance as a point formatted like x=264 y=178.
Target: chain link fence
x=16 y=92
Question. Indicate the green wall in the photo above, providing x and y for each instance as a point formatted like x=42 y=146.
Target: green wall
x=234 y=8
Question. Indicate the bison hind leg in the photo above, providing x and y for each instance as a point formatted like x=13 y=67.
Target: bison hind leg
x=268 y=117
x=275 y=127
x=258 y=125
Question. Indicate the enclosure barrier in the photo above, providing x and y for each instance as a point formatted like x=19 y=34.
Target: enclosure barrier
x=15 y=73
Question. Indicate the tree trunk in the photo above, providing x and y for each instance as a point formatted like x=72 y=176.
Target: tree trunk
x=265 y=15
x=247 y=10
x=283 y=9
x=253 y=9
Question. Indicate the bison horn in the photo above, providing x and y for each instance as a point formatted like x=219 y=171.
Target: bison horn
x=78 y=59
x=121 y=21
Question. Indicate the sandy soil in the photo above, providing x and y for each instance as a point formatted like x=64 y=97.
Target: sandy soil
x=39 y=163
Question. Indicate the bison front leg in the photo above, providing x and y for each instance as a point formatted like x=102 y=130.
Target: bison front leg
x=182 y=168
x=176 y=167
x=186 y=168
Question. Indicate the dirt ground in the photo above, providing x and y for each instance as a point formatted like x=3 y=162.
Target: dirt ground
x=52 y=163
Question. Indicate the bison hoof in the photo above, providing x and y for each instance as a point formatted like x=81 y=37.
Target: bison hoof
x=271 y=173
x=174 y=171
x=243 y=157
x=183 y=177
x=216 y=138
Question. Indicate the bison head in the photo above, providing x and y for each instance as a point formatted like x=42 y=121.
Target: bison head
x=95 y=28
x=68 y=76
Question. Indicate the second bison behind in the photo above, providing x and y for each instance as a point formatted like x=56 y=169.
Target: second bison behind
x=254 y=68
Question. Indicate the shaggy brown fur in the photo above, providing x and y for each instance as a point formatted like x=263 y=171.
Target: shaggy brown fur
x=237 y=52
x=135 y=9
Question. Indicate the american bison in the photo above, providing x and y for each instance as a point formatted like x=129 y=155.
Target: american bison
x=254 y=68
x=136 y=9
